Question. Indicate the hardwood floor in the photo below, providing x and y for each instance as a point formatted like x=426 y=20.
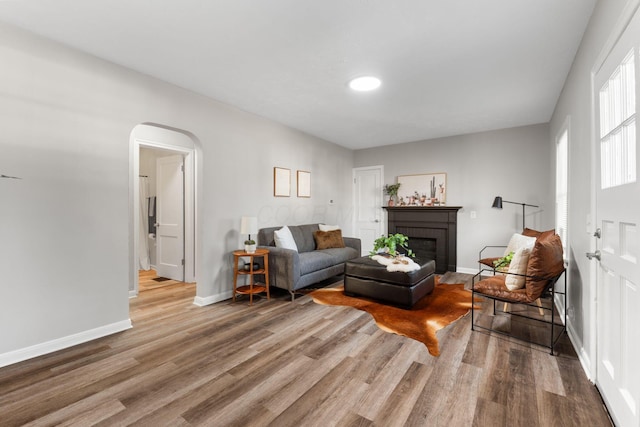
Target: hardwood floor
x=279 y=363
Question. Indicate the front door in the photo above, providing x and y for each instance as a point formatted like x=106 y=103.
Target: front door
x=618 y=218
x=368 y=205
x=170 y=217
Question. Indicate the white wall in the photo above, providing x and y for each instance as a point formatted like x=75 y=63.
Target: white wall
x=575 y=103
x=65 y=227
x=512 y=163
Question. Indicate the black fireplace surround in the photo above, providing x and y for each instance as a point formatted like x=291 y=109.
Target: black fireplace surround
x=432 y=232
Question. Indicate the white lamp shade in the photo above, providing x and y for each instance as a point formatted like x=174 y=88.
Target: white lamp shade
x=249 y=225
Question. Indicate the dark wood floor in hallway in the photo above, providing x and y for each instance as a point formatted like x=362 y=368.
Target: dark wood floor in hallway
x=279 y=363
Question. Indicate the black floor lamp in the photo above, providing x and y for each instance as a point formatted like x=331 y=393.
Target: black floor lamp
x=497 y=203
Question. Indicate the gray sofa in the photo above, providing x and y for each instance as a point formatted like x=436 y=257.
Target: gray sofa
x=293 y=270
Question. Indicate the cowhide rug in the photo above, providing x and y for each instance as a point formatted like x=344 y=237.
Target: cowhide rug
x=446 y=304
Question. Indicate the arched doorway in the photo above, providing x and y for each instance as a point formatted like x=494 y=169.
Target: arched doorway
x=172 y=141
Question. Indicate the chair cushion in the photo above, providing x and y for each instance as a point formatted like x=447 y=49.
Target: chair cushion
x=495 y=286
x=518 y=241
x=489 y=261
x=545 y=262
x=535 y=233
x=518 y=266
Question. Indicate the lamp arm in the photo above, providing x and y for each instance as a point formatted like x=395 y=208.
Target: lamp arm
x=522 y=204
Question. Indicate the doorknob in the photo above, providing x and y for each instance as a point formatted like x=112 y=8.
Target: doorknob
x=377 y=220
x=592 y=255
x=598 y=233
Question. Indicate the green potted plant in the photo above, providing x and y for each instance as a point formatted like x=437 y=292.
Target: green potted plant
x=391 y=190
x=391 y=245
x=250 y=246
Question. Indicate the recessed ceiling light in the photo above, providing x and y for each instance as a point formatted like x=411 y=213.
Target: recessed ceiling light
x=365 y=83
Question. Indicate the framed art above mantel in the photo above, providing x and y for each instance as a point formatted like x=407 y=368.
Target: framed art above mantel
x=422 y=190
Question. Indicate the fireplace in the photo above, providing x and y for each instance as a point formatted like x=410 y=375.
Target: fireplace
x=432 y=232
x=423 y=248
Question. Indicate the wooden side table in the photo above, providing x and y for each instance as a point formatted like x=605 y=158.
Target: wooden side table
x=252 y=288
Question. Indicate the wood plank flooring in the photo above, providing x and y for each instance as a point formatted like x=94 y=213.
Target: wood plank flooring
x=279 y=363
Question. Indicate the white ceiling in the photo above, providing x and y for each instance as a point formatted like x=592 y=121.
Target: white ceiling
x=448 y=67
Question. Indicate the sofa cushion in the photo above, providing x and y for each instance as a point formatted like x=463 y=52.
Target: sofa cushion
x=303 y=235
x=545 y=262
x=328 y=239
x=315 y=260
x=284 y=239
x=339 y=255
x=325 y=227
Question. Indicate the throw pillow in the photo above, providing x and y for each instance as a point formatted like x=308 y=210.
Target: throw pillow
x=324 y=227
x=284 y=239
x=545 y=262
x=535 y=233
x=328 y=239
x=518 y=266
x=518 y=241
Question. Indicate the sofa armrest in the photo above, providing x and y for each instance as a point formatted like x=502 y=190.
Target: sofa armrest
x=353 y=242
x=284 y=267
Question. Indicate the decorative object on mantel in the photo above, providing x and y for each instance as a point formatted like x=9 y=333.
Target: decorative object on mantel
x=304 y=183
x=423 y=190
x=391 y=190
x=249 y=226
x=497 y=203
x=281 y=182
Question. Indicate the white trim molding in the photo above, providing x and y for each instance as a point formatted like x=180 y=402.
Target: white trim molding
x=212 y=299
x=62 y=343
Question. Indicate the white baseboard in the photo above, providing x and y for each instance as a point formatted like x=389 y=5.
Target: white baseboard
x=62 y=343
x=583 y=356
x=212 y=299
x=466 y=270
x=133 y=294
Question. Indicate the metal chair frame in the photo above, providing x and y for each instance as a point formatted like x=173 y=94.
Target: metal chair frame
x=556 y=329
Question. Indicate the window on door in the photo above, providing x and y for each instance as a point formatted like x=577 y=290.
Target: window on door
x=562 y=186
x=618 y=126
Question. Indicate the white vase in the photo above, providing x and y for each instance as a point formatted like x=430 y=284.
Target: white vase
x=250 y=249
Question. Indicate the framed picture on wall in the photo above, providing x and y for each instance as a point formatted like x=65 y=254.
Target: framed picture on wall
x=428 y=189
x=281 y=182
x=304 y=184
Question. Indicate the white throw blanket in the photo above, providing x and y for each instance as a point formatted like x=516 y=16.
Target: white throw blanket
x=403 y=263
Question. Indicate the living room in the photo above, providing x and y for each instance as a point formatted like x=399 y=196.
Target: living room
x=67 y=223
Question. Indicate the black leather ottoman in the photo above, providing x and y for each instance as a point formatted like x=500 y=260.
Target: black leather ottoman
x=367 y=278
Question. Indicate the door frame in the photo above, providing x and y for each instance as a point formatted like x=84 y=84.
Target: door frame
x=383 y=216
x=618 y=29
x=188 y=150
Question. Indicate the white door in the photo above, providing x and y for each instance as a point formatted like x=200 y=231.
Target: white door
x=618 y=218
x=368 y=214
x=170 y=217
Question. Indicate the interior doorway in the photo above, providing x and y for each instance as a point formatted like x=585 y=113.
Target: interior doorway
x=152 y=148
x=368 y=218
